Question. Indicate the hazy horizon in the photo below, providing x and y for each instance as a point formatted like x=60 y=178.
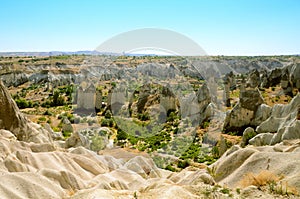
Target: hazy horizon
x=80 y=52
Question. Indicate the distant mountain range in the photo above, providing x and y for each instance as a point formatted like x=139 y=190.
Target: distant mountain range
x=56 y=53
x=85 y=52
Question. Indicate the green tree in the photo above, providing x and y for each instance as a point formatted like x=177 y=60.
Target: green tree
x=58 y=100
x=121 y=135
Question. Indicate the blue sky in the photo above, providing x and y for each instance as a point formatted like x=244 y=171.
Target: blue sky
x=220 y=27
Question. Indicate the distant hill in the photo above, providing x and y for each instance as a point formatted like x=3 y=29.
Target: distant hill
x=54 y=53
x=94 y=52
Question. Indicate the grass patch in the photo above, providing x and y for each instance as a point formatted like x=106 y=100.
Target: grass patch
x=268 y=179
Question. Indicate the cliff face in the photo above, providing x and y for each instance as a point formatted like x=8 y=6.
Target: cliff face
x=13 y=120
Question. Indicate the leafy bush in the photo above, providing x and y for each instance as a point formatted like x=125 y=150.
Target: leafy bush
x=234 y=133
x=107 y=122
x=225 y=191
x=183 y=164
x=58 y=99
x=192 y=152
x=67 y=134
x=172 y=116
x=121 y=135
x=97 y=143
x=215 y=152
x=107 y=114
x=113 y=84
x=133 y=140
x=42 y=119
x=47 y=104
x=170 y=168
x=205 y=124
x=23 y=103
x=144 y=116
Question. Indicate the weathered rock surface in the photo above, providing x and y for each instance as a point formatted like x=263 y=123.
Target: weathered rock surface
x=283 y=122
x=247 y=135
x=253 y=79
x=197 y=107
x=295 y=75
x=243 y=114
x=13 y=120
x=261 y=139
x=231 y=168
x=31 y=170
x=274 y=77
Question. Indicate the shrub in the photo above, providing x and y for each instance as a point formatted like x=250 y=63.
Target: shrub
x=107 y=122
x=113 y=84
x=42 y=119
x=183 y=164
x=172 y=116
x=267 y=178
x=67 y=134
x=58 y=100
x=23 y=103
x=107 y=114
x=170 y=168
x=90 y=122
x=72 y=120
x=111 y=122
x=133 y=140
x=225 y=191
x=259 y=180
x=215 y=152
x=205 y=124
x=97 y=143
x=121 y=135
x=212 y=171
x=234 y=133
x=144 y=116
x=56 y=129
x=47 y=112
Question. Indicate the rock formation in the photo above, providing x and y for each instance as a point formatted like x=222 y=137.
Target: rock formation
x=30 y=170
x=197 y=107
x=13 y=120
x=243 y=114
x=283 y=122
x=86 y=96
x=168 y=100
x=253 y=79
x=295 y=75
x=274 y=77
x=231 y=168
x=286 y=84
